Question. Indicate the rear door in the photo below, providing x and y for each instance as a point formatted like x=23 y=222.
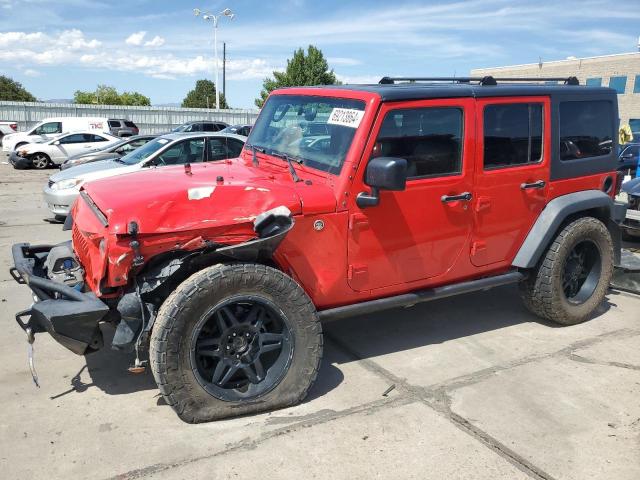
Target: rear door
x=511 y=174
x=418 y=233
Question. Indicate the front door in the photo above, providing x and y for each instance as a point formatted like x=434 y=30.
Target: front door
x=511 y=175
x=418 y=233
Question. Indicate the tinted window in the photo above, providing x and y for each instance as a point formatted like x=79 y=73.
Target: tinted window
x=512 y=134
x=209 y=127
x=195 y=127
x=76 y=138
x=618 y=84
x=48 y=128
x=430 y=139
x=97 y=138
x=585 y=129
x=221 y=148
x=219 y=126
x=130 y=124
x=594 y=82
x=187 y=151
x=114 y=123
x=140 y=154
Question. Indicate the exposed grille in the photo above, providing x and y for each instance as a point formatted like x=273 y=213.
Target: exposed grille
x=50 y=183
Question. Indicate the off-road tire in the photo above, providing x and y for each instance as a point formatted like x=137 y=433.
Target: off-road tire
x=543 y=292
x=177 y=319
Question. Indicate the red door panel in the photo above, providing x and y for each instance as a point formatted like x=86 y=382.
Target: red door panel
x=413 y=234
x=508 y=199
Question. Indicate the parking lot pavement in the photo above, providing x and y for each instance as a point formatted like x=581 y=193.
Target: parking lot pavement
x=476 y=387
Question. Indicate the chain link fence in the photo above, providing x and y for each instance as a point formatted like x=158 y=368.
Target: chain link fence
x=148 y=119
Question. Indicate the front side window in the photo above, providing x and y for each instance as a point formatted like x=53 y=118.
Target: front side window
x=144 y=152
x=283 y=128
x=512 y=134
x=187 y=151
x=585 y=129
x=114 y=123
x=48 y=128
x=430 y=139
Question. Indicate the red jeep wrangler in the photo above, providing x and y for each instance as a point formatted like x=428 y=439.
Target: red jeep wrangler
x=345 y=200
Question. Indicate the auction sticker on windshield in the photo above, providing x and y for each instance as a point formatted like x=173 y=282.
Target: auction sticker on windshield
x=347 y=117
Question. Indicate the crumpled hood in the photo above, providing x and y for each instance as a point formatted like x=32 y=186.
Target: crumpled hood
x=168 y=199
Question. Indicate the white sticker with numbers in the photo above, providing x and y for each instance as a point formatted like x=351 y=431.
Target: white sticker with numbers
x=347 y=117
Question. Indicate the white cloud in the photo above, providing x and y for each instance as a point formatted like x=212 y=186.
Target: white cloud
x=135 y=39
x=29 y=72
x=343 y=61
x=156 y=42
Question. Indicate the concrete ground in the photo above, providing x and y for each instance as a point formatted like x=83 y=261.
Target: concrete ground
x=466 y=387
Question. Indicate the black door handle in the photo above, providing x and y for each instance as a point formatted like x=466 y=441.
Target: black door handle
x=538 y=184
x=466 y=196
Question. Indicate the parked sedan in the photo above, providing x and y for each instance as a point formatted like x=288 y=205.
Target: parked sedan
x=170 y=149
x=110 y=152
x=59 y=149
x=201 y=126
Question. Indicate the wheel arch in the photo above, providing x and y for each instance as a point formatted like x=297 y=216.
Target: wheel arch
x=562 y=210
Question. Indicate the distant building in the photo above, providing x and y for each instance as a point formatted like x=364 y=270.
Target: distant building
x=620 y=71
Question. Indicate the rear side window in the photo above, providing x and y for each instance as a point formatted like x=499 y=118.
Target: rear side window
x=430 y=139
x=130 y=124
x=209 y=127
x=512 y=134
x=97 y=138
x=585 y=129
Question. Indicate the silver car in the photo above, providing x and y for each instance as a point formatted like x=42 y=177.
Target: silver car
x=171 y=149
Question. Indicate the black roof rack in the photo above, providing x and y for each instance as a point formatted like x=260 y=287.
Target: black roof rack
x=487 y=80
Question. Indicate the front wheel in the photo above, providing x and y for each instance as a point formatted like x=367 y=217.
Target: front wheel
x=233 y=340
x=571 y=280
x=40 y=161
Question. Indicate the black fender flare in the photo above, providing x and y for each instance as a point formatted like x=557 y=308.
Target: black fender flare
x=593 y=202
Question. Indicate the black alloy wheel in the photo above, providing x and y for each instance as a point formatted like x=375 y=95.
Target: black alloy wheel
x=241 y=348
x=581 y=272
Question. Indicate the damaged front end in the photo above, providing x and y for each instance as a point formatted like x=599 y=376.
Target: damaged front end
x=66 y=308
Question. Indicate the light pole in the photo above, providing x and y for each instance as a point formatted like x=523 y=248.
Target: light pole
x=214 y=18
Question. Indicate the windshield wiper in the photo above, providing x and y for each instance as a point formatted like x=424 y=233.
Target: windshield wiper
x=289 y=160
x=255 y=149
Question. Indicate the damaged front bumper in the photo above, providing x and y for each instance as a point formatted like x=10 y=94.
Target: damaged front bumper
x=71 y=317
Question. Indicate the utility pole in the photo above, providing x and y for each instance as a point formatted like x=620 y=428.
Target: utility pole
x=224 y=69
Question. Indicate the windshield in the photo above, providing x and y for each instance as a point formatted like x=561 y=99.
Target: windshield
x=145 y=151
x=316 y=131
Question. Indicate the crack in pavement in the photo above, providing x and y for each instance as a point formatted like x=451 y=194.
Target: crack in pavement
x=578 y=358
x=250 y=444
x=434 y=396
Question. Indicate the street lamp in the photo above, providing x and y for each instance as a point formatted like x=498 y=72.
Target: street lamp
x=214 y=18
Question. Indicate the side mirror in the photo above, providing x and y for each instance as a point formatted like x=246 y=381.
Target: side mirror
x=383 y=173
x=57 y=142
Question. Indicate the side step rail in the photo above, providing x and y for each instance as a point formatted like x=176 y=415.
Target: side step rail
x=420 y=296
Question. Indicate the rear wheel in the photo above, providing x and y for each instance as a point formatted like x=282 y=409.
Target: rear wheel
x=233 y=340
x=572 y=278
x=40 y=161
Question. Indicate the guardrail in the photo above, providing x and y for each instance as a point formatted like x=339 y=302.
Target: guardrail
x=148 y=119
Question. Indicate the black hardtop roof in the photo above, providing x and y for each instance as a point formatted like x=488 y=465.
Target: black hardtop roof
x=420 y=91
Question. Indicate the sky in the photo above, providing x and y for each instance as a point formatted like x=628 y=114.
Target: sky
x=159 y=48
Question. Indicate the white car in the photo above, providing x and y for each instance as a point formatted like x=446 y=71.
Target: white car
x=8 y=128
x=52 y=127
x=59 y=149
x=167 y=150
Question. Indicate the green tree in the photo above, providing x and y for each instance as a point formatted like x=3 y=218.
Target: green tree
x=106 y=95
x=135 y=98
x=203 y=96
x=302 y=70
x=13 y=91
